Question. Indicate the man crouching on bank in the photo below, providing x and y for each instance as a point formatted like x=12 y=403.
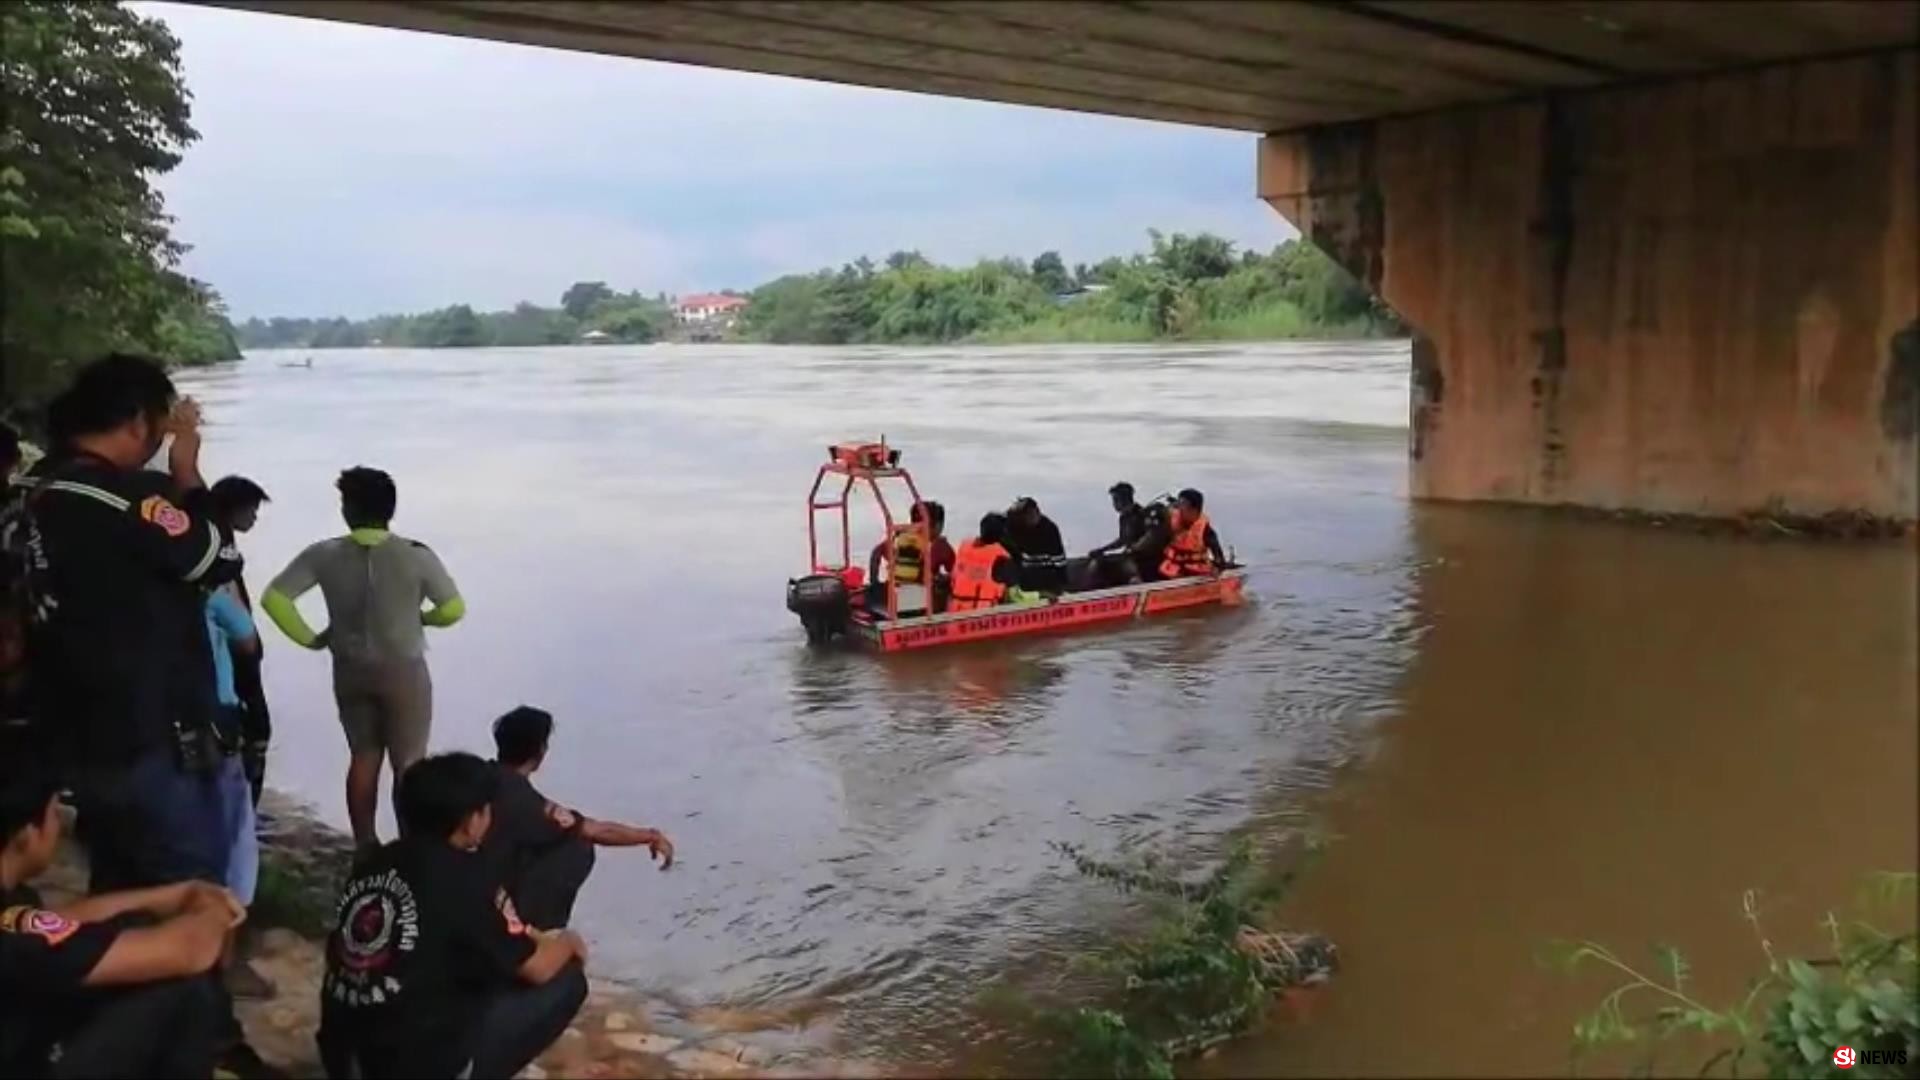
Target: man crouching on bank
x=430 y=972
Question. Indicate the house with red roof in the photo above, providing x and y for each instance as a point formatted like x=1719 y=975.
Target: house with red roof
x=708 y=308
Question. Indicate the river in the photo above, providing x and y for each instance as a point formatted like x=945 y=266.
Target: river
x=1516 y=726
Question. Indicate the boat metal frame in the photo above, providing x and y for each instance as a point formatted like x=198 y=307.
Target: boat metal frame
x=848 y=462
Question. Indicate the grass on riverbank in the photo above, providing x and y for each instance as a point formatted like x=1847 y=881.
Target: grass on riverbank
x=1279 y=321
x=1086 y=331
x=284 y=898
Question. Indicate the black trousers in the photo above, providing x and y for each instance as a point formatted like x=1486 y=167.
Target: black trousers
x=255 y=723
x=163 y=1029
x=517 y=1026
x=545 y=889
x=151 y=822
x=524 y=1021
x=147 y=821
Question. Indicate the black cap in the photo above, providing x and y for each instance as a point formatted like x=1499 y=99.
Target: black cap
x=1121 y=488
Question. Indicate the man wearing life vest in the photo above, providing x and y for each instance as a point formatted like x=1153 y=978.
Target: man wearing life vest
x=1192 y=548
x=908 y=563
x=982 y=569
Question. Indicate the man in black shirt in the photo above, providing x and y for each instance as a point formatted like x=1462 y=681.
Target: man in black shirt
x=236 y=503
x=1034 y=542
x=121 y=668
x=541 y=850
x=430 y=972
x=1111 y=562
x=113 y=985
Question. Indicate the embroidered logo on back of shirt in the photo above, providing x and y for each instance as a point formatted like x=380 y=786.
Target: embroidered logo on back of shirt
x=379 y=922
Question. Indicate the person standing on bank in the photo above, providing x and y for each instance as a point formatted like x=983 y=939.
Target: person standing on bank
x=236 y=509
x=121 y=673
x=542 y=851
x=375 y=583
x=430 y=971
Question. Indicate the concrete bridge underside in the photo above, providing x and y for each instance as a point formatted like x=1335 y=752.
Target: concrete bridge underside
x=1660 y=256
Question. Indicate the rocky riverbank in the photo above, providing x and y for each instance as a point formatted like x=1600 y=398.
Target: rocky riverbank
x=620 y=1032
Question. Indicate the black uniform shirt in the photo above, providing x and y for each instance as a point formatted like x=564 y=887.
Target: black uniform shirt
x=1040 y=554
x=44 y=963
x=526 y=825
x=423 y=943
x=119 y=645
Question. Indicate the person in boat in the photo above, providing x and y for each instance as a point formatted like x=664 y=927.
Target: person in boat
x=983 y=569
x=542 y=851
x=1192 y=548
x=1112 y=562
x=908 y=565
x=1034 y=542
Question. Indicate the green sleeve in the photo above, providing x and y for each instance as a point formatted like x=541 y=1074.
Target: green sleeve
x=286 y=615
x=444 y=613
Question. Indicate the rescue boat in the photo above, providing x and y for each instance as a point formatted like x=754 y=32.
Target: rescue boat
x=833 y=601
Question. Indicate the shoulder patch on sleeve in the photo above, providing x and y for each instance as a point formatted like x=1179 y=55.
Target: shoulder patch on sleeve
x=49 y=926
x=156 y=510
x=510 y=914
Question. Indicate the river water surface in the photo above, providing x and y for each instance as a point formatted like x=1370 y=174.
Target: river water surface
x=1517 y=727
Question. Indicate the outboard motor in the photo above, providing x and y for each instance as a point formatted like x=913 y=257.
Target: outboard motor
x=823 y=604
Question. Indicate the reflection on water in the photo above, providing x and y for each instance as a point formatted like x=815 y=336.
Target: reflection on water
x=1522 y=727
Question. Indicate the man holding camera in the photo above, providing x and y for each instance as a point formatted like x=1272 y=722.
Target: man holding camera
x=122 y=673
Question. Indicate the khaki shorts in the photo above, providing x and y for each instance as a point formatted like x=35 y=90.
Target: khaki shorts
x=385 y=707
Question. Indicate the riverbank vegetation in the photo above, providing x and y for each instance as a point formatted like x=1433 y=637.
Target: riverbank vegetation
x=1794 y=1018
x=92 y=110
x=1204 y=968
x=586 y=308
x=1191 y=287
x=1184 y=287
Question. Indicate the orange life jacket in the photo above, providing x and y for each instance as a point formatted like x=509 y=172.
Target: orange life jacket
x=973 y=583
x=1187 y=554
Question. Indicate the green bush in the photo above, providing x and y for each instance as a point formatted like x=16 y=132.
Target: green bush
x=1865 y=995
x=1201 y=972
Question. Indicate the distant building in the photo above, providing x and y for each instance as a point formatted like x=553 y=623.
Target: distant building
x=596 y=337
x=703 y=308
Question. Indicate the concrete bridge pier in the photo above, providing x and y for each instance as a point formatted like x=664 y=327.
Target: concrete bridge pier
x=1691 y=296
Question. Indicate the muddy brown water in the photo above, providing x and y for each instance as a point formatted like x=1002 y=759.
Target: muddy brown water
x=1517 y=727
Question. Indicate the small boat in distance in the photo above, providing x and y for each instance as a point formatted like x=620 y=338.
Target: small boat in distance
x=832 y=601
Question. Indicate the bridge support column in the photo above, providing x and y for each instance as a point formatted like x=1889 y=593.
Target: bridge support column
x=1696 y=296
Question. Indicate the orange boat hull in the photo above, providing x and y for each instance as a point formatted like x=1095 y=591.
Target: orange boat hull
x=1071 y=612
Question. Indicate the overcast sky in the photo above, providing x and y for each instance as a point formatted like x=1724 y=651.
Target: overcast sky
x=351 y=170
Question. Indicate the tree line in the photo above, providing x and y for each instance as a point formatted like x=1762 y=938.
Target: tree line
x=92 y=110
x=587 y=307
x=1184 y=286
